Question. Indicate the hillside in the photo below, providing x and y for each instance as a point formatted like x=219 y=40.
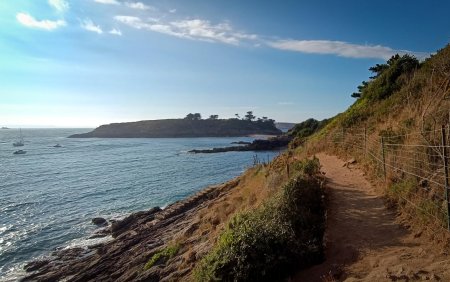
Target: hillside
x=175 y=128
x=398 y=132
x=397 y=128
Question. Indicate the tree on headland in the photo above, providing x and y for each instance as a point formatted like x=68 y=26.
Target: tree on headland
x=387 y=77
x=361 y=88
x=249 y=116
x=191 y=116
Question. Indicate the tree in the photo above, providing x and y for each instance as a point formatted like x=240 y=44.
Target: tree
x=189 y=116
x=361 y=88
x=249 y=116
x=237 y=116
x=213 y=117
x=378 y=70
x=197 y=116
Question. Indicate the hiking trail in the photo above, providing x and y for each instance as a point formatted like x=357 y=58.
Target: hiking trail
x=365 y=241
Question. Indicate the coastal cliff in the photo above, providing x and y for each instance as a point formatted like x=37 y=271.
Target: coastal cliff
x=175 y=244
x=179 y=128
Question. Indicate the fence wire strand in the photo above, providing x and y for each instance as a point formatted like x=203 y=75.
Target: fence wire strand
x=412 y=154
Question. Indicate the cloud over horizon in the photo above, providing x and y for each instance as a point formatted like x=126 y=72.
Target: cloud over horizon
x=115 y=31
x=108 y=2
x=150 y=18
x=138 y=6
x=59 y=5
x=340 y=48
x=90 y=26
x=29 y=21
x=194 y=29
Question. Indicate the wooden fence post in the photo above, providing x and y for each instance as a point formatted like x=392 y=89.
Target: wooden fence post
x=384 y=158
x=445 y=157
x=365 y=141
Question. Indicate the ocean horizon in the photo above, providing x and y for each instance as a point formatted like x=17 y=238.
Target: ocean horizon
x=50 y=194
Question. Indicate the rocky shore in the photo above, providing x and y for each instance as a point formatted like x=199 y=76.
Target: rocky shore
x=136 y=239
x=272 y=143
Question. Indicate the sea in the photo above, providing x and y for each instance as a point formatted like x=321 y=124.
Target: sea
x=49 y=195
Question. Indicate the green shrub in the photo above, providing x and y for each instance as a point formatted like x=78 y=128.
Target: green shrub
x=162 y=256
x=269 y=243
x=402 y=189
x=308 y=167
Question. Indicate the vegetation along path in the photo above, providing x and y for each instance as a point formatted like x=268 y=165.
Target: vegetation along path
x=365 y=242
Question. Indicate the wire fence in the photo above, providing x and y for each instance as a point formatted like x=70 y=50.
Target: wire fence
x=415 y=164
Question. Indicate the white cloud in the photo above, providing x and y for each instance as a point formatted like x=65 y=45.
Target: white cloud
x=90 y=26
x=203 y=30
x=172 y=11
x=138 y=6
x=194 y=29
x=132 y=21
x=108 y=2
x=115 y=32
x=29 y=21
x=59 y=5
x=340 y=48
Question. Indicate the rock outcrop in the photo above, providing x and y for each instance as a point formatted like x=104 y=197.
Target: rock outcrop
x=136 y=239
x=257 y=145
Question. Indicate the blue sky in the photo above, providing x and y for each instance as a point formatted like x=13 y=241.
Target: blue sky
x=88 y=62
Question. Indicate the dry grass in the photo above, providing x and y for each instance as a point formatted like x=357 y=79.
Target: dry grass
x=415 y=113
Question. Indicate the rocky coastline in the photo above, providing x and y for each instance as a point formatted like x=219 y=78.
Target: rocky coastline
x=135 y=239
x=270 y=144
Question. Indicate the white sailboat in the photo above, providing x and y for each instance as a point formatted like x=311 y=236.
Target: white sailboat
x=19 y=142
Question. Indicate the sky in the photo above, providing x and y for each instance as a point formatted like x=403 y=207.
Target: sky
x=85 y=63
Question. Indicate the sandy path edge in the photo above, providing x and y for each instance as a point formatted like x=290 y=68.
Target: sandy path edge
x=364 y=241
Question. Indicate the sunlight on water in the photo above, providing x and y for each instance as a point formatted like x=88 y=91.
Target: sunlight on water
x=50 y=195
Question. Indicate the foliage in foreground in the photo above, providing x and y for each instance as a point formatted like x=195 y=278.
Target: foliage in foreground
x=269 y=243
x=162 y=256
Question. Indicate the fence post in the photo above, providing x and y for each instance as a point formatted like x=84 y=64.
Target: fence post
x=384 y=159
x=365 y=141
x=444 y=153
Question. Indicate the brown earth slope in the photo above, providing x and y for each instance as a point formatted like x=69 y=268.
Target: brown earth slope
x=365 y=241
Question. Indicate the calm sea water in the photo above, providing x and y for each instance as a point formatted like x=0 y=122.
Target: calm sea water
x=49 y=195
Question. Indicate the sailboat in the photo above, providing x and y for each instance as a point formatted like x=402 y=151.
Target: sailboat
x=20 y=142
x=20 y=152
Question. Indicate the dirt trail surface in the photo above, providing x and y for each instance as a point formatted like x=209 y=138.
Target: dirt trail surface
x=365 y=242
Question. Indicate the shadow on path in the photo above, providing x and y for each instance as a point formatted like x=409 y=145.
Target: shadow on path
x=357 y=221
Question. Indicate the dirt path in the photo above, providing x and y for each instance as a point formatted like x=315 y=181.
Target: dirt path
x=364 y=241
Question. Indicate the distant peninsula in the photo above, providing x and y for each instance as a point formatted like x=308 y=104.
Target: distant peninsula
x=191 y=126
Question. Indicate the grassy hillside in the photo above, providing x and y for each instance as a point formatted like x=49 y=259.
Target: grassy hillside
x=395 y=129
x=169 y=128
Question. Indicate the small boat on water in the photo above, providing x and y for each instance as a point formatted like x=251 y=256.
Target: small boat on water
x=57 y=146
x=20 y=142
x=20 y=152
